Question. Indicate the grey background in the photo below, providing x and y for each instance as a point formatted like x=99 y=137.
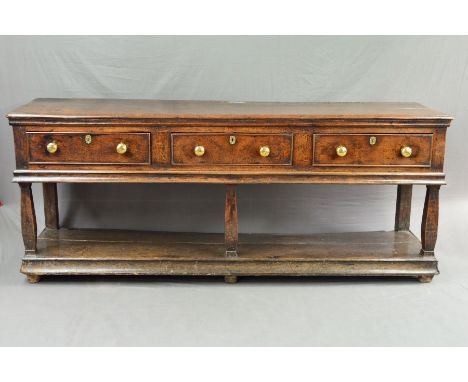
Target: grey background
x=431 y=70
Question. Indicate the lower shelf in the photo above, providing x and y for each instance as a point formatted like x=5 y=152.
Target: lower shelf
x=112 y=252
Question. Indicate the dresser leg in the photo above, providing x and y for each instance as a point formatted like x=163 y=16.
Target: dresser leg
x=51 y=205
x=430 y=220
x=230 y=279
x=28 y=218
x=33 y=279
x=403 y=207
x=230 y=222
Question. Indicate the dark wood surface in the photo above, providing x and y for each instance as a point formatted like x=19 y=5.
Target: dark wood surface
x=168 y=156
x=120 y=244
x=51 y=211
x=403 y=207
x=160 y=138
x=63 y=108
x=69 y=252
x=385 y=152
x=430 y=220
x=231 y=225
x=72 y=148
x=28 y=218
x=245 y=150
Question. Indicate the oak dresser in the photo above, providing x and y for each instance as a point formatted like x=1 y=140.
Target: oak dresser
x=232 y=143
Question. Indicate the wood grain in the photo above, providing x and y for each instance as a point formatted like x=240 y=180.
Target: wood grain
x=231 y=164
x=218 y=150
x=229 y=176
x=385 y=152
x=69 y=252
x=72 y=148
x=90 y=244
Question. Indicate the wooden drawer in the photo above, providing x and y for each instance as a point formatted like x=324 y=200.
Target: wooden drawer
x=226 y=149
x=83 y=148
x=373 y=150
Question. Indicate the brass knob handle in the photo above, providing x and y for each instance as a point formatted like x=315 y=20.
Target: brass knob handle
x=52 y=147
x=199 y=151
x=121 y=148
x=406 y=151
x=341 y=151
x=264 y=151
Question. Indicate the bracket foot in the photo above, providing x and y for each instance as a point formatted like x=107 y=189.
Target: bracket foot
x=425 y=278
x=230 y=279
x=33 y=279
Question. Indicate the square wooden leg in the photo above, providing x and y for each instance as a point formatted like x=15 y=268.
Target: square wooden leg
x=403 y=207
x=231 y=232
x=430 y=220
x=28 y=218
x=51 y=212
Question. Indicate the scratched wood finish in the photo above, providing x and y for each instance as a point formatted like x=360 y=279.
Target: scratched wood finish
x=403 y=207
x=51 y=211
x=28 y=218
x=385 y=151
x=72 y=148
x=161 y=136
x=430 y=220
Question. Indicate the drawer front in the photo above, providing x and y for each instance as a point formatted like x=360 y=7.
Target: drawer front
x=83 y=148
x=226 y=149
x=373 y=150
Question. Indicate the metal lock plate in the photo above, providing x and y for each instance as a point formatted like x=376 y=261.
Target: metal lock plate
x=232 y=139
x=372 y=140
x=88 y=139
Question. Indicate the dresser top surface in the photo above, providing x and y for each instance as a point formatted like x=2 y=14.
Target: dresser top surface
x=88 y=108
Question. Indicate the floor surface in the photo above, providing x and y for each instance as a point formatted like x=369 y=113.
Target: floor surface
x=162 y=311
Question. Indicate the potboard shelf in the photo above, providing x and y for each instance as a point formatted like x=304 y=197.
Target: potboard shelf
x=113 y=252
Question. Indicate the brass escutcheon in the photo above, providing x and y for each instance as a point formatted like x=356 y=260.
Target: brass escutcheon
x=372 y=140
x=232 y=139
x=88 y=139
